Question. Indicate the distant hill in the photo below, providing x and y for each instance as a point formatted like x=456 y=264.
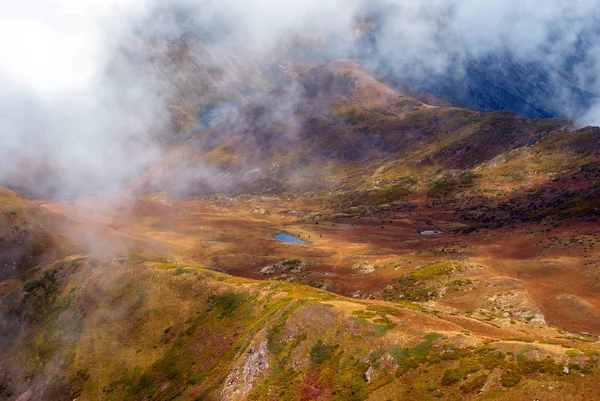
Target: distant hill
x=540 y=85
x=502 y=82
x=331 y=129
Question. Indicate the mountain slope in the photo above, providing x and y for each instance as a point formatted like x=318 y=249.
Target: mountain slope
x=29 y=234
x=32 y=235
x=176 y=331
x=327 y=125
x=535 y=84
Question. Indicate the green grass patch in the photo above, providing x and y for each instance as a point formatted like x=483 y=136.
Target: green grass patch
x=364 y=314
x=229 y=302
x=431 y=271
x=370 y=197
x=182 y=270
x=398 y=353
x=167 y=265
x=320 y=352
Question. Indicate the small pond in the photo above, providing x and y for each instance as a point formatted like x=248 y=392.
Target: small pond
x=430 y=232
x=288 y=238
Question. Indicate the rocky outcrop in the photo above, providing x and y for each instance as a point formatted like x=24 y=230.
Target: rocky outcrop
x=287 y=269
x=240 y=381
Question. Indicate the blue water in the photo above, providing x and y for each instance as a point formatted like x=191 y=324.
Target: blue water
x=288 y=238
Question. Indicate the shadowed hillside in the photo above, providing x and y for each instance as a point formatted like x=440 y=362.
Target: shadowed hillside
x=29 y=234
x=331 y=124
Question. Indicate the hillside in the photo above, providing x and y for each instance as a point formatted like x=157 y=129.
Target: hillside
x=33 y=234
x=29 y=234
x=180 y=332
x=439 y=252
x=443 y=253
x=367 y=200
x=329 y=127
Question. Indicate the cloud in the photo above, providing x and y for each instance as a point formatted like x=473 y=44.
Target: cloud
x=84 y=97
x=542 y=54
x=56 y=110
x=52 y=47
x=88 y=94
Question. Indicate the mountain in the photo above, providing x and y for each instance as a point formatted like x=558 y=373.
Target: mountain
x=194 y=77
x=198 y=79
x=377 y=205
x=542 y=82
x=499 y=81
x=446 y=253
x=331 y=128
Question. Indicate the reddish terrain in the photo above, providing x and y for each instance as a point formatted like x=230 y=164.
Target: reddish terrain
x=550 y=271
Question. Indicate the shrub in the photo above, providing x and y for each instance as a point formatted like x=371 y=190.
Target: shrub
x=229 y=302
x=431 y=271
x=474 y=384
x=398 y=353
x=451 y=376
x=320 y=352
x=511 y=377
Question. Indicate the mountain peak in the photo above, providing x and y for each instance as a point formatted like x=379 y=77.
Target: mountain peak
x=333 y=119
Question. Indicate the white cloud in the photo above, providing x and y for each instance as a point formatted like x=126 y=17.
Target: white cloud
x=55 y=46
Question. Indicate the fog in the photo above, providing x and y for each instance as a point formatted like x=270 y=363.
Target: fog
x=91 y=95
x=94 y=93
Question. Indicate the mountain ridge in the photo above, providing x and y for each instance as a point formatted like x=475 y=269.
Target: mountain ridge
x=334 y=114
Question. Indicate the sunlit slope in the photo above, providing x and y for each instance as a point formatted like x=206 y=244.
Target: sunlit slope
x=557 y=178
x=136 y=328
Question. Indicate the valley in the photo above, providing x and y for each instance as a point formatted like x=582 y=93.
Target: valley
x=207 y=304
x=363 y=257
x=332 y=239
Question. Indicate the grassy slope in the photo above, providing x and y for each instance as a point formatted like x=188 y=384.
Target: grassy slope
x=135 y=328
x=557 y=178
x=32 y=234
